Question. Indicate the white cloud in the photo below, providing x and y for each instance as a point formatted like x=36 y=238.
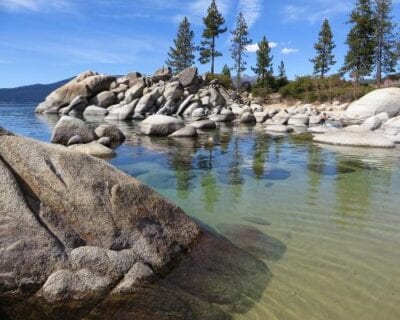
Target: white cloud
x=251 y=10
x=33 y=5
x=289 y=50
x=254 y=47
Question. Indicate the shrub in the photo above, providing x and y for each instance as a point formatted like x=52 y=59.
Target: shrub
x=223 y=79
x=310 y=89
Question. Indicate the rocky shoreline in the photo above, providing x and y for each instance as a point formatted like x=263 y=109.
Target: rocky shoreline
x=181 y=105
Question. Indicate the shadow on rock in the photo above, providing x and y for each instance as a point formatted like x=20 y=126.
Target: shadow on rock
x=216 y=280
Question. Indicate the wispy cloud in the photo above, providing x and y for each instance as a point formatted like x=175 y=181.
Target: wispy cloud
x=196 y=10
x=251 y=10
x=315 y=10
x=33 y=5
x=286 y=51
x=254 y=47
x=4 y=61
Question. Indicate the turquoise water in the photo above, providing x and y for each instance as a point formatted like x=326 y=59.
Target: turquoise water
x=324 y=219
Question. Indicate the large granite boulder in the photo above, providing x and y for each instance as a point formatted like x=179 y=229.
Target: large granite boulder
x=378 y=101
x=95 y=111
x=160 y=125
x=187 y=76
x=72 y=226
x=87 y=84
x=364 y=138
x=94 y=149
x=68 y=127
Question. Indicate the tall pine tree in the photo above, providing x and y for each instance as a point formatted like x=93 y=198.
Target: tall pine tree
x=324 y=47
x=240 y=41
x=385 y=52
x=226 y=71
x=360 y=58
x=213 y=23
x=264 y=61
x=181 y=56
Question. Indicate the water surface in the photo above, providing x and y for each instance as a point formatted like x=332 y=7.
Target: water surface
x=324 y=219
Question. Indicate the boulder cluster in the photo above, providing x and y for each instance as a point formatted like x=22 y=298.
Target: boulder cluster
x=180 y=105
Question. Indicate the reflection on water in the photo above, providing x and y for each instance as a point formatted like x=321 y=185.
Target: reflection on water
x=324 y=219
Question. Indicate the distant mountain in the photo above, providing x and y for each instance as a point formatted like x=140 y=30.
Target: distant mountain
x=33 y=93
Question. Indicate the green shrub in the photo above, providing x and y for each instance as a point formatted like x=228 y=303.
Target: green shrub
x=223 y=79
x=311 y=89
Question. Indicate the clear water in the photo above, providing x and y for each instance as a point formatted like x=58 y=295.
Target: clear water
x=326 y=220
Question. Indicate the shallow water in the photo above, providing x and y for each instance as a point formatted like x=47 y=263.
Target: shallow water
x=324 y=219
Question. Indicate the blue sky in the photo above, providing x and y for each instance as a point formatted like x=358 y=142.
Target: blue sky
x=43 y=41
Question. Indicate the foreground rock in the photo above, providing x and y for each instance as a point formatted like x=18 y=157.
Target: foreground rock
x=356 y=138
x=378 y=101
x=72 y=225
x=160 y=125
x=107 y=130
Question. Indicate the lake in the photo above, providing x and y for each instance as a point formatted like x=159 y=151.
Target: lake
x=324 y=219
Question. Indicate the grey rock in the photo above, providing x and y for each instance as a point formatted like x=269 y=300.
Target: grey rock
x=135 y=92
x=381 y=100
x=247 y=117
x=187 y=76
x=138 y=275
x=105 y=141
x=186 y=132
x=160 y=125
x=279 y=128
x=67 y=127
x=94 y=149
x=87 y=84
x=110 y=131
x=356 y=139
x=298 y=120
x=162 y=74
x=74 y=140
x=95 y=111
x=184 y=104
x=103 y=99
x=204 y=124
x=261 y=117
x=78 y=104
x=123 y=113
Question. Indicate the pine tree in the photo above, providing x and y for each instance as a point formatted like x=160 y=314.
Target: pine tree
x=213 y=23
x=282 y=71
x=181 y=56
x=282 y=77
x=385 y=51
x=226 y=71
x=264 y=61
x=360 y=58
x=240 y=41
x=324 y=47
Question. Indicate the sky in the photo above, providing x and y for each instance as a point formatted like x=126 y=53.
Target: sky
x=44 y=41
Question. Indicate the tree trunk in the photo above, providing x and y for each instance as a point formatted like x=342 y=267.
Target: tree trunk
x=212 y=55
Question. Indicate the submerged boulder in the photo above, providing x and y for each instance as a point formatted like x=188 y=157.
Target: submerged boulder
x=72 y=225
